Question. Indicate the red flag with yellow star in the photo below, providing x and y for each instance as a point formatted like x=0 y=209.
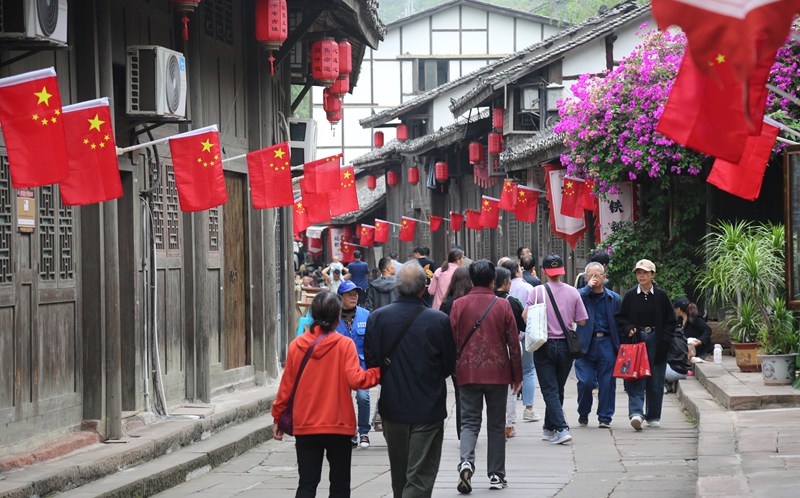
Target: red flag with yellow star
x=490 y=212
x=322 y=175
x=508 y=199
x=456 y=220
x=407 y=228
x=299 y=217
x=347 y=250
x=527 y=202
x=346 y=199
x=589 y=199
x=572 y=197
x=30 y=114
x=318 y=207
x=197 y=161
x=270 y=177
x=436 y=222
x=381 y=231
x=474 y=220
x=367 y=235
x=745 y=178
x=92 y=155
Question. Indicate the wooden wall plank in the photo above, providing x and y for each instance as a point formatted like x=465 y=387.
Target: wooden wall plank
x=7 y=357
x=57 y=349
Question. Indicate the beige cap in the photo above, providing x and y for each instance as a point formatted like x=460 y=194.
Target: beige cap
x=646 y=265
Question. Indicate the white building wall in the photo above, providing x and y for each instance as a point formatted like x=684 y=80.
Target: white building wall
x=527 y=33
x=416 y=38
x=628 y=39
x=472 y=18
x=589 y=58
x=501 y=29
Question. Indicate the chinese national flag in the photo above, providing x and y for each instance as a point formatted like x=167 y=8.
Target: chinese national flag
x=589 y=200
x=407 y=228
x=527 y=202
x=572 y=198
x=715 y=113
x=33 y=129
x=270 y=177
x=381 y=231
x=367 y=235
x=323 y=175
x=474 y=220
x=743 y=179
x=347 y=251
x=93 y=170
x=490 y=213
x=456 y=220
x=346 y=199
x=299 y=217
x=318 y=206
x=436 y=222
x=197 y=160
x=508 y=199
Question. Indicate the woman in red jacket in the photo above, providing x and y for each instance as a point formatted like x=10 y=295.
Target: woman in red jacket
x=323 y=415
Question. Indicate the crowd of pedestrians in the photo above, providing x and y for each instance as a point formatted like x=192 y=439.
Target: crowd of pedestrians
x=416 y=325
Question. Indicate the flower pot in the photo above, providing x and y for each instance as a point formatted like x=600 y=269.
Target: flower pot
x=778 y=369
x=747 y=356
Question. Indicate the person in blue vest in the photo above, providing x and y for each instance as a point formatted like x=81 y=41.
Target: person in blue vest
x=353 y=324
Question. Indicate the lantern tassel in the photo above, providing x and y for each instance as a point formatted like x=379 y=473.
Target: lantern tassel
x=185 y=28
x=271 y=60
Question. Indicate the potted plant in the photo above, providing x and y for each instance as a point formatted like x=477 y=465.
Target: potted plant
x=780 y=341
x=744 y=272
x=744 y=327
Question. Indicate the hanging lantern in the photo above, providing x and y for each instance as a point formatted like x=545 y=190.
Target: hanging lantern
x=413 y=175
x=495 y=143
x=391 y=178
x=402 y=132
x=377 y=141
x=185 y=7
x=332 y=105
x=441 y=171
x=498 y=118
x=372 y=182
x=341 y=86
x=475 y=152
x=272 y=21
x=345 y=58
x=325 y=61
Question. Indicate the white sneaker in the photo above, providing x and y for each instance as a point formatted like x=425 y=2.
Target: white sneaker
x=653 y=423
x=561 y=437
x=465 y=471
x=636 y=422
x=497 y=482
x=530 y=416
x=547 y=435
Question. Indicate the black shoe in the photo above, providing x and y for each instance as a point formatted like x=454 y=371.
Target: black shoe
x=354 y=441
x=465 y=478
x=584 y=421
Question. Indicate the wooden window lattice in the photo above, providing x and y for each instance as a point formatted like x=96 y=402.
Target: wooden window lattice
x=219 y=20
x=47 y=233
x=173 y=213
x=213 y=230
x=158 y=218
x=6 y=227
x=66 y=241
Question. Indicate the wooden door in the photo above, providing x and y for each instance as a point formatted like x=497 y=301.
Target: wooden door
x=237 y=331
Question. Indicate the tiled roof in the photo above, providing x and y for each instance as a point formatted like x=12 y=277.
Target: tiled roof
x=441 y=138
x=531 y=151
x=378 y=153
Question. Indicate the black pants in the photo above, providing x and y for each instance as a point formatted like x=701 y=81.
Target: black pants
x=339 y=452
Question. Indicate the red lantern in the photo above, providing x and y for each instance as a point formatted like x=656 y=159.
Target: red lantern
x=441 y=171
x=272 y=21
x=498 y=118
x=413 y=175
x=185 y=7
x=475 y=152
x=402 y=132
x=495 y=143
x=341 y=86
x=345 y=58
x=377 y=141
x=332 y=105
x=325 y=61
x=372 y=182
x=391 y=178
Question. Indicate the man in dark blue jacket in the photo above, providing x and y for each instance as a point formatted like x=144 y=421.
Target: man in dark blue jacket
x=413 y=391
x=599 y=342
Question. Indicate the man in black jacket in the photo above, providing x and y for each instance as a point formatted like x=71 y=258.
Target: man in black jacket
x=413 y=391
x=382 y=290
x=646 y=315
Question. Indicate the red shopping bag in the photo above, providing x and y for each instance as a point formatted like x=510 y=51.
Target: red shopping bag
x=626 y=366
x=642 y=363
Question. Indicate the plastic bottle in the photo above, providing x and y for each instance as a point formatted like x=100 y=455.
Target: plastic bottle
x=718 y=354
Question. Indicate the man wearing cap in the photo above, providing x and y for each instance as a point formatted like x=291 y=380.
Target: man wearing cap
x=599 y=342
x=353 y=324
x=334 y=274
x=552 y=360
x=646 y=315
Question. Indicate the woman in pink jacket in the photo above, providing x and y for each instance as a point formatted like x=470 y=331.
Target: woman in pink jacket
x=440 y=281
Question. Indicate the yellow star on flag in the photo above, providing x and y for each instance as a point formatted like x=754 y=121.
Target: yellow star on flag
x=720 y=59
x=44 y=121
x=347 y=174
x=94 y=146
x=279 y=153
x=486 y=203
x=207 y=145
x=569 y=185
x=57 y=112
x=36 y=117
x=43 y=96
x=102 y=145
x=299 y=206
x=106 y=138
x=53 y=119
x=85 y=141
x=522 y=193
x=94 y=123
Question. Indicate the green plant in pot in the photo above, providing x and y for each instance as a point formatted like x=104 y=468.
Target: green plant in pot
x=744 y=273
x=780 y=341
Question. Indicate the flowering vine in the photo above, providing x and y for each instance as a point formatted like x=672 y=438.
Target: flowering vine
x=785 y=75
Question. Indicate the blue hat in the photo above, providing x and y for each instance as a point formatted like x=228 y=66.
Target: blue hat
x=346 y=286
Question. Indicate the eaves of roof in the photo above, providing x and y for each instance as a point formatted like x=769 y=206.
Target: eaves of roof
x=443 y=137
x=549 y=50
x=533 y=151
x=377 y=156
x=519 y=14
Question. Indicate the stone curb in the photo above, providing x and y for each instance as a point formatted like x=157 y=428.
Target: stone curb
x=155 y=458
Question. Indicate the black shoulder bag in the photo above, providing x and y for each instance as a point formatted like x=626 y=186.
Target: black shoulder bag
x=475 y=327
x=387 y=358
x=573 y=343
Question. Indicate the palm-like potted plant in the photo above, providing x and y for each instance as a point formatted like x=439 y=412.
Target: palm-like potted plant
x=744 y=273
x=780 y=344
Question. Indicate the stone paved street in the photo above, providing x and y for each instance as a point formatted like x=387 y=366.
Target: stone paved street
x=600 y=462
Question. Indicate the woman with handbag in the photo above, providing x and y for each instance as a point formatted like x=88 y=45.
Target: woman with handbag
x=314 y=402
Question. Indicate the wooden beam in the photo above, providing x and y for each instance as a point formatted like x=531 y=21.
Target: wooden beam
x=301 y=95
x=297 y=34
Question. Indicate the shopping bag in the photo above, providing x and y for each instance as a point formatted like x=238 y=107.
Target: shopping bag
x=536 y=324
x=303 y=324
x=643 y=363
x=626 y=366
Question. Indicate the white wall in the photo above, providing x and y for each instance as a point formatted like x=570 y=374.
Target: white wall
x=501 y=29
x=416 y=38
x=528 y=33
x=589 y=58
x=627 y=39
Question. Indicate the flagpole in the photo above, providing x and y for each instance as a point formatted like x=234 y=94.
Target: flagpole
x=234 y=158
x=776 y=90
x=125 y=150
x=419 y=221
x=787 y=141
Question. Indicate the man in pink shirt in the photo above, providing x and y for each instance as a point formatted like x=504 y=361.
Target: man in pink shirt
x=552 y=360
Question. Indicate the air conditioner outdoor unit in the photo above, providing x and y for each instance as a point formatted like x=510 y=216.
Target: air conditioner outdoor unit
x=302 y=140
x=156 y=78
x=530 y=99
x=44 y=20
